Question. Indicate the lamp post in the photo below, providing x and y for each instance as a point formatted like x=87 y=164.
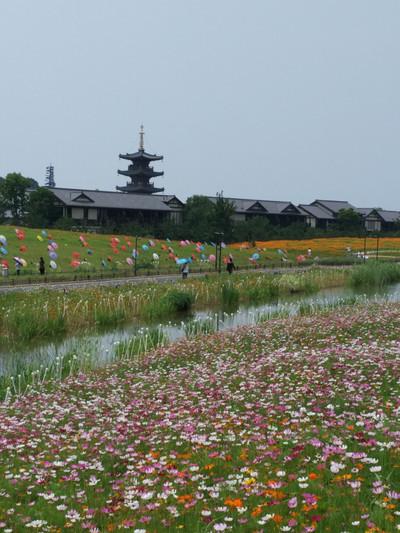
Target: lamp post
x=218 y=250
x=136 y=256
x=377 y=246
x=365 y=244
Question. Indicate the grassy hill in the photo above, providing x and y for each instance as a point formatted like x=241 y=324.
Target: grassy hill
x=90 y=252
x=75 y=252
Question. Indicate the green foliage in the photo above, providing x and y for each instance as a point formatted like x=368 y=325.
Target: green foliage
x=109 y=317
x=14 y=194
x=199 y=218
x=224 y=211
x=42 y=210
x=65 y=223
x=179 y=301
x=255 y=229
x=229 y=295
x=174 y=301
x=349 y=220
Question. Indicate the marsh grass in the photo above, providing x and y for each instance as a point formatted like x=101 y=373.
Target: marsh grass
x=196 y=327
x=374 y=275
x=311 y=307
x=145 y=340
x=110 y=317
x=80 y=358
x=230 y=295
x=32 y=377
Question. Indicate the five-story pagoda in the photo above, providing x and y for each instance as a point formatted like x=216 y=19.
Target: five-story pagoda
x=139 y=170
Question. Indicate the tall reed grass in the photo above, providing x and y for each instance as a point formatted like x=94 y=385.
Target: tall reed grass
x=374 y=275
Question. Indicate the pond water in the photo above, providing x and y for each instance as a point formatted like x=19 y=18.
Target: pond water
x=101 y=346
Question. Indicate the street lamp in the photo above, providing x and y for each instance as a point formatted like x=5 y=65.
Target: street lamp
x=218 y=246
x=136 y=256
x=365 y=244
x=377 y=246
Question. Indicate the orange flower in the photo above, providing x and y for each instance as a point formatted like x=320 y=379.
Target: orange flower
x=185 y=498
x=277 y=518
x=184 y=455
x=237 y=502
x=209 y=467
x=313 y=475
x=307 y=508
x=277 y=494
x=256 y=511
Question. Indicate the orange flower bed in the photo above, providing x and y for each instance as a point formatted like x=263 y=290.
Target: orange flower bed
x=334 y=245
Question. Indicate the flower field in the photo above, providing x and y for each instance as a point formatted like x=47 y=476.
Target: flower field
x=291 y=425
x=336 y=246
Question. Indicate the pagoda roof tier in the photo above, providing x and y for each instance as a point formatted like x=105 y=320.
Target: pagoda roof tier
x=141 y=155
x=140 y=189
x=140 y=173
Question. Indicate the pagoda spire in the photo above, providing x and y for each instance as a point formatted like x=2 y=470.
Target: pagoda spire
x=141 y=137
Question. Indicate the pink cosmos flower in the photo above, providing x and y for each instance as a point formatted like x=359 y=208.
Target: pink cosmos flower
x=292 y=503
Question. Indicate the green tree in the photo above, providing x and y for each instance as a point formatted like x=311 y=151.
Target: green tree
x=224 y=211
x=349 y=220
x=2 y=202
x=42 y=208
x=255 y=229
x=14 y=194
x=199 y=218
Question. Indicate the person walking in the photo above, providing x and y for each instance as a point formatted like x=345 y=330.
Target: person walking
x=230 y=265
x=17 y=268
x=185 y=270
x=4 y=269
x=42 y=268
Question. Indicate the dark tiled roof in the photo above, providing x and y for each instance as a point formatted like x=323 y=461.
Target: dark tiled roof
x=244 y=205
x=141 y=155
x=112 y=200
x=316 y=212
x=365 y=211
x=334 y=206
x=389 y=216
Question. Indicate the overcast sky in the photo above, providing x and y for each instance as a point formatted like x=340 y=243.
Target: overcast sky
x=269 y=99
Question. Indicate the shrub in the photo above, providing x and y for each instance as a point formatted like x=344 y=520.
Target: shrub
x=229 y=295
x=179 y=301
